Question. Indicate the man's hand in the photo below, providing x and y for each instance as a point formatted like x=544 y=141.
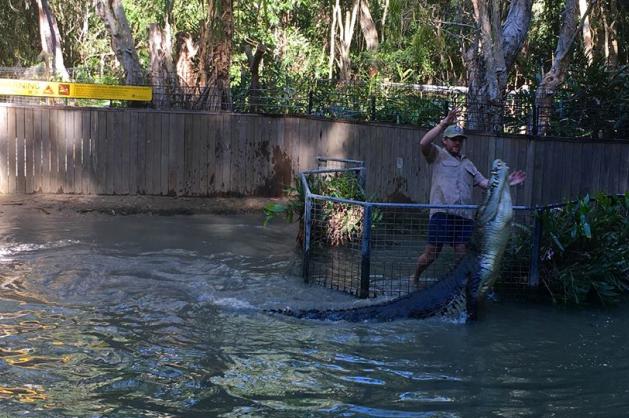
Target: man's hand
x=451 y=118
x=517 y=177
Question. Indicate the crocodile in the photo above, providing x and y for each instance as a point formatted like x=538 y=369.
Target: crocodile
x=464 y=288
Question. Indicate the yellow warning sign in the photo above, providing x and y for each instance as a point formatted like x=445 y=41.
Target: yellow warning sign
x=10 y=87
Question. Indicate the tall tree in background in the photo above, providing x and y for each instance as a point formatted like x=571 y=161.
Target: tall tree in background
x=50 y=40
x=113 y=16
x=490 y=58
x=341 y=35
x=215 y=55
x=162 y=66
x=368 y=27
x=555 y=77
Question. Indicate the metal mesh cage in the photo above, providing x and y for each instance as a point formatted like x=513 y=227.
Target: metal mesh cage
x=371 y=249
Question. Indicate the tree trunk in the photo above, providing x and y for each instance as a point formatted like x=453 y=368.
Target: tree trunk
x=368 y=26
x=332 y=41
x=555 y=77
x=216 y=56
x=187 y=76
x=385 y=14
x=162 y=72
x=490 y=58
x=254 y=60
x=345 y=34
x=51 y=40
x=113 y=16
x=588 y=44
x=162 y=65
x=611 y=34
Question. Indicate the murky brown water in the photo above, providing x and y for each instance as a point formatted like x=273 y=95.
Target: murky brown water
x=161 y=316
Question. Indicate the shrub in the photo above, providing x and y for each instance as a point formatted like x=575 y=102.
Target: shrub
x=585 y=250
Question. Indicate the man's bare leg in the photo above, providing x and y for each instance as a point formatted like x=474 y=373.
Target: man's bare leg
x=424 y=260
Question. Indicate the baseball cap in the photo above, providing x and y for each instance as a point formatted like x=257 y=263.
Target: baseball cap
x=454 y=131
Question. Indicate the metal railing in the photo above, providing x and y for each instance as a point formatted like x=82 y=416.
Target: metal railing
x=422 y=106
x=378 y=257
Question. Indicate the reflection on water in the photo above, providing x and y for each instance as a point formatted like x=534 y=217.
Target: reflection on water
x=162 y=316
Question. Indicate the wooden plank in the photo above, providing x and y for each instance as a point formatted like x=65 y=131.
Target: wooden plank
x=111 y=160
x=213 y=126
x=55 y=149
x=267 y=187
x=195 y=160
x=157 y=154
x=257 y=158
x=172 y=140
x=277 y=147
x=151 y=123
x=226 y=152
x=538 y=179
x=188 y=153
x=382 y=169
x=53 y=158
x=511 y=158
x=218 y=155
x=234 y=161
x=117 y=152
x=204 y=135
x=564 y=165
x=410 y=164
x=20 y=116
x=623 y=173
x=522 y=156
x=252 y=164
x=140 y=169
x=100 y=122
x=45 y=150
x=552 y=186
x=77 y=153
x=86 y=162
x=65 y=126
x=29 y=136
x=304 y=136
x=378 y=169
x=608 y=175
x=124 y=144
x=164 y=151
x=154 y=152
x=132 y=140
x=4 y=145
x=37 y=150
x=70 y=142
x=246 y=158
x=180 y=153
x=529 y=168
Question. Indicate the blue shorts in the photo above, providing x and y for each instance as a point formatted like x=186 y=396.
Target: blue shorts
x=444 y=228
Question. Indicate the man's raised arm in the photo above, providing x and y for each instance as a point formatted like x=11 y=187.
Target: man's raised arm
x=426 y=141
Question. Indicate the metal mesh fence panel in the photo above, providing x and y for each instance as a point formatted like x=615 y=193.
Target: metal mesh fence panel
x=334 y=262
x=383 y=262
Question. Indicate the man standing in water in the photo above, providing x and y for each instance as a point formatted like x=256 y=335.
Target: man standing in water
x=453 y=178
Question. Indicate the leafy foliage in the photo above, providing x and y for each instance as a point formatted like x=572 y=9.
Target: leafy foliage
x=585 y=250
x=340 y=222
x=594 y=103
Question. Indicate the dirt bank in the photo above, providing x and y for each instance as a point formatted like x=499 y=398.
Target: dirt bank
x=128 y=205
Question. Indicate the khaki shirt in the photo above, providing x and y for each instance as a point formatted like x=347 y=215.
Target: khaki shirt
x=452 y=181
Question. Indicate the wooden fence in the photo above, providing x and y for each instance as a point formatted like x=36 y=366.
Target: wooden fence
x=129 y=151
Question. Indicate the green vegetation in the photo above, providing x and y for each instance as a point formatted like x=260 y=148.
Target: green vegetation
x=313 y=60
x=338 y=223
x=585 y=251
